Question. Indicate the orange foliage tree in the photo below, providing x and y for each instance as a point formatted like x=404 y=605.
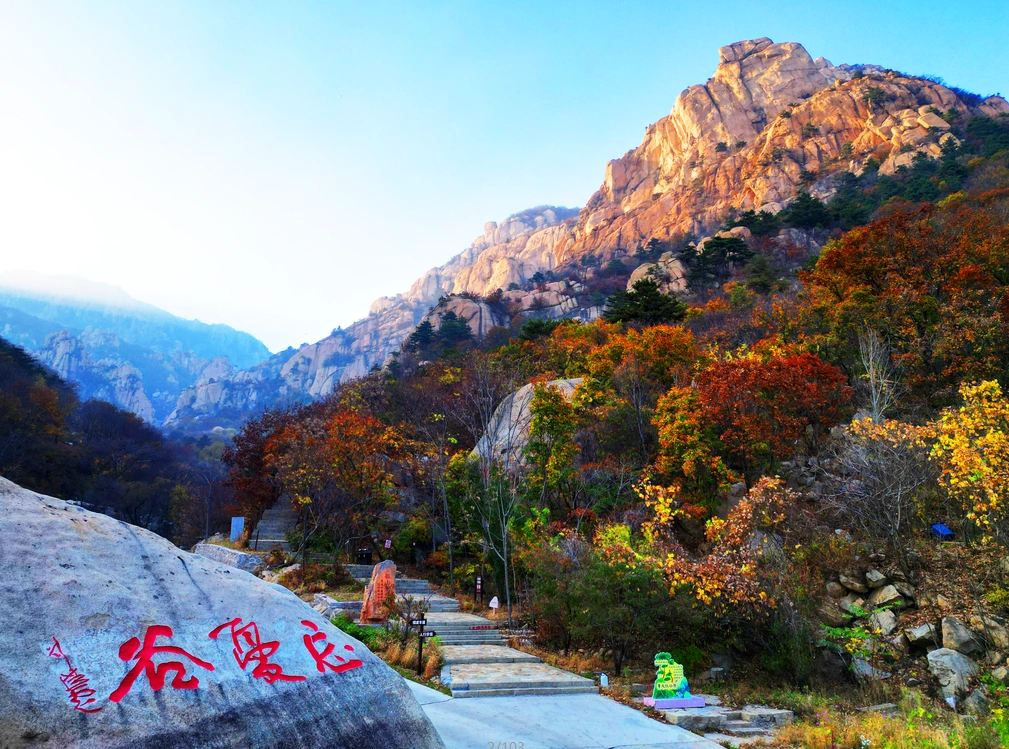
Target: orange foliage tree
x=933 y=280
x=335 y=463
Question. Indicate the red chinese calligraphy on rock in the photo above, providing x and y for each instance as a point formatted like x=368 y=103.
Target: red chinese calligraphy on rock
x=249 y=648
x=80 y=693
x=156 y=674
x=320 y=658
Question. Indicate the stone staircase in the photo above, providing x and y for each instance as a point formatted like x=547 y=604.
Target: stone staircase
x=273 y=527
x=463 y=629
x=721 y=724
x=408 y=586
x=477 y=662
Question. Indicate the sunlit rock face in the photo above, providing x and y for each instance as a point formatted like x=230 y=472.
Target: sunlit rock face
x=770 y=121
x=113 y=637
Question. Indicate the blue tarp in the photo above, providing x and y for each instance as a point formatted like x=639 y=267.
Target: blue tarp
x=941 y=532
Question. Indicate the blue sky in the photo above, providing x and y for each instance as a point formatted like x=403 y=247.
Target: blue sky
x=278 y=165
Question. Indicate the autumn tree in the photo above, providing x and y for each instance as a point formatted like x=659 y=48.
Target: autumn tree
x=251 y=475
x=766 y=408
x=551 y=449
x=932 y=282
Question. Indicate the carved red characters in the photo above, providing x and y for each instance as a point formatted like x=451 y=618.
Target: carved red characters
x=81 y=695
x=156 y=674
x=249 y=648
x=320 y=658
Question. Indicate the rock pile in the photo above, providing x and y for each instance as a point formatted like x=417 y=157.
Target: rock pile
x=954 y=649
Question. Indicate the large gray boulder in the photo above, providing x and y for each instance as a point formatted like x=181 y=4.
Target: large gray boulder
x=90 y=607
x=952 y=670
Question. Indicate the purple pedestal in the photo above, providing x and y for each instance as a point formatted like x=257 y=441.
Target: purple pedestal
x=670 y=704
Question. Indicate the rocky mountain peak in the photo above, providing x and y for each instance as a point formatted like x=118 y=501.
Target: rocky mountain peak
x=740 y=50
x=771 y=121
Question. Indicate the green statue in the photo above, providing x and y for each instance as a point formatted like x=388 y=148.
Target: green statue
x=670 y=683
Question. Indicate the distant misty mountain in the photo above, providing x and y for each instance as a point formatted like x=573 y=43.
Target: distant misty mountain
x=115 y=347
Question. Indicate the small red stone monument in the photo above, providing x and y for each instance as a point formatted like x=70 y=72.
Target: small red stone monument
x=377 y=592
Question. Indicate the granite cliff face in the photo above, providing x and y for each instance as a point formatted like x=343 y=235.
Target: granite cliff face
x=770 y=120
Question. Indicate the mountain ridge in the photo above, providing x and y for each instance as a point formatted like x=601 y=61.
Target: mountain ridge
x=114 y=347
x=772 y=121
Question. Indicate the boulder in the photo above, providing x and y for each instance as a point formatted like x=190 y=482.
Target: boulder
x=831 y=615
x=899 y=643
x=378 y=591
x=1000 y=674
x=923 y=635
x=853 y=582
x=835 y=590
x=953 y=670
x=885 y=621
x=905 y=589
x=231 y=557
x=993 y=629
x=866 y=671
x=875 y=579
x=976 y=703
x=330 y=607
x=851 y=601
x=886 y=596
x=114 y=637
x=956 y=636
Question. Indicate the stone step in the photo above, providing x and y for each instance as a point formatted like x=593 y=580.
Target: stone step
x=523 y=691
x=474 y=677
x=464 y=641
x=460 y=654
x=449 y=642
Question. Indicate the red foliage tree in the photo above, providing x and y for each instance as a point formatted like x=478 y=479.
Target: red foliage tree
x=763 y=409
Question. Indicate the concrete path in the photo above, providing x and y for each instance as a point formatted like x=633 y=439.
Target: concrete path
x=585 y=721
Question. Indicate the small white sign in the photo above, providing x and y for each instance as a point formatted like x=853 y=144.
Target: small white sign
x=388 y=543
x=494 y=603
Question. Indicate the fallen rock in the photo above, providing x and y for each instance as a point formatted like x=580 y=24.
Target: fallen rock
x=956 y=636
x=866 y=671
x=923 y=635
x=886 y=596
x=905 y=589
x=275 y=576
x=994 y=631
x=231 y=557
x=885 y=621
x=1001 y=673
x=875 y=579
x=953 y=670
x=899 y=643
x=851 y=582
x=330 y=607
x=831 y=615
x=91 y=605
x=835 y=590
x=976 y=703
x=851 y=602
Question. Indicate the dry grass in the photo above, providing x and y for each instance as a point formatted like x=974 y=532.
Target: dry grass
x=406 y=657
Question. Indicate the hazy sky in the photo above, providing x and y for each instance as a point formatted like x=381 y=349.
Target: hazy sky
x=278 y=165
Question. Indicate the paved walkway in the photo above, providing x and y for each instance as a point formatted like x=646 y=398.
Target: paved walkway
x=585 y=721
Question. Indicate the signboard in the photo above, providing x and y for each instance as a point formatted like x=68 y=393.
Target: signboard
x=388 y=543
x=237 y=529
x=428 y=633
x=479 y=584
x=418 y=622
x=494 y=603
